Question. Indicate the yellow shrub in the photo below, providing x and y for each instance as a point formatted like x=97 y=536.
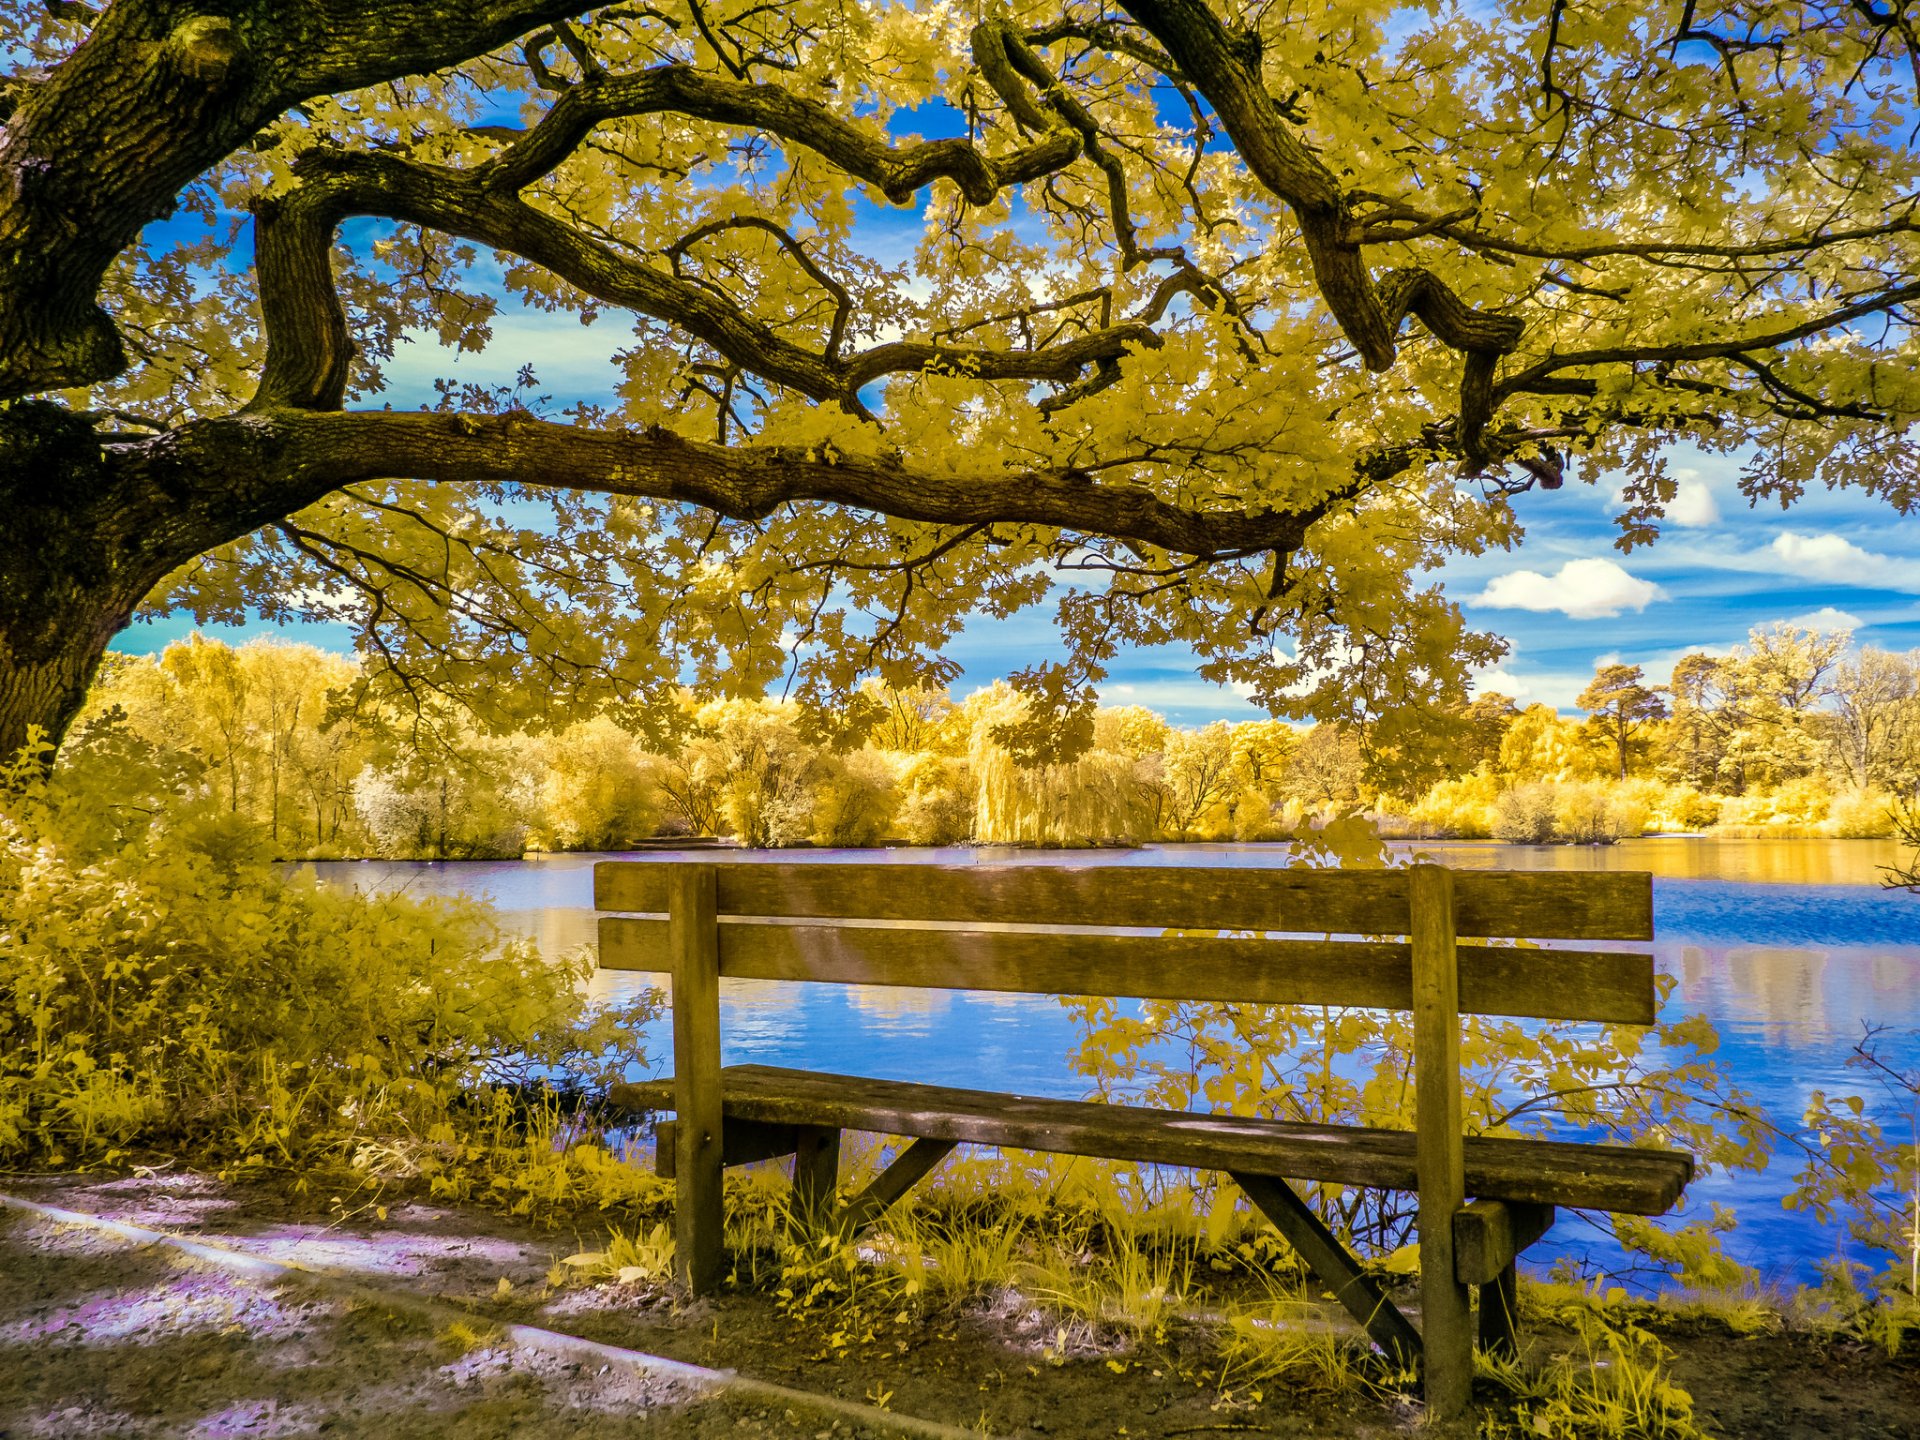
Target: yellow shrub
x=1861 y=815
x=937 y=804
x=1797 y=806
x=1463 y=808
x=856 y=800
x=1524 y=815
x=164 y=984
x=1680 y=807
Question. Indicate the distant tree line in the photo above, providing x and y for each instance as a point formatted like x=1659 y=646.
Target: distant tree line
x=1793 y=732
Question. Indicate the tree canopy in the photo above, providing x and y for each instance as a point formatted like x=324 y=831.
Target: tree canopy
x=1235 y=321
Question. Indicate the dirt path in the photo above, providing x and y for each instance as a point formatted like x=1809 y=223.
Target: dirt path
x=99 y=1337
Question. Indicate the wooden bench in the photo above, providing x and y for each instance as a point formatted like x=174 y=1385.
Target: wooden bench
x=1481 y=1200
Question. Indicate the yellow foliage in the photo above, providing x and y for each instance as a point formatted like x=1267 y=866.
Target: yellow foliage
x=1539 y=745
x=167 y=986
x=1861 y=814
x=856 y=799
x=1464 y=807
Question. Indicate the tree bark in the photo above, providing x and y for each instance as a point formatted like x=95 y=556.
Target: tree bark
x=89 y=525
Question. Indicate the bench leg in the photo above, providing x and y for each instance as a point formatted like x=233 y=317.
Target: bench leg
x=1488 y=1236
x=1446 y=1331
x=816 y=1174
x=909 y=1167
x=1497 y=1312
x=1328 y=1259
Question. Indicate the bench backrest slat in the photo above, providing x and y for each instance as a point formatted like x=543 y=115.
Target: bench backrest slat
x=1541 y=905
x=1613 y=986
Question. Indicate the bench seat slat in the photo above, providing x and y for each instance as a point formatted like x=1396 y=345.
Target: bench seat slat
x=1540 y=905
x=1614 y=986
x=1615 y=1178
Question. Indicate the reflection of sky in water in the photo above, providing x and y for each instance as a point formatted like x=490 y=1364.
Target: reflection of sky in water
x=1788 y=946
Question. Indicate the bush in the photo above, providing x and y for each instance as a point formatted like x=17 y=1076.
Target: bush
x=1465 y=808
x=1681 y=807
x=1255 y=818
x=165 y=986
x=1798 y=807
x=855 y=801
x=938 y=807
x=1596 y=814
x=1861 y=815
x=1524 y=815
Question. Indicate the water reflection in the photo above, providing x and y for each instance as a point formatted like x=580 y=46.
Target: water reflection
x=1684 y=857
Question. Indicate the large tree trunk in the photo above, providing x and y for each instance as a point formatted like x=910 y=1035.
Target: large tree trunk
x=42 y=685
x=79 y=559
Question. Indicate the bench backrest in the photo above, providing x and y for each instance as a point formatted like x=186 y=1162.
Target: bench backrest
x=817 y=921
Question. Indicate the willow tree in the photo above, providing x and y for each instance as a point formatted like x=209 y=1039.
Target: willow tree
x=1219 y=326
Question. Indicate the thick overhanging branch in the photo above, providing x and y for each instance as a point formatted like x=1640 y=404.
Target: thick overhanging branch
x=286 y=458
x=1226 y=69
x=309 y=347
x=898 y=172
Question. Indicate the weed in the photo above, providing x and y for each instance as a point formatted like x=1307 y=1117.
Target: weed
x=1615 y=1388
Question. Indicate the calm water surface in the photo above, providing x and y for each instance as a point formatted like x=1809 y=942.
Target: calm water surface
x=1789 y=946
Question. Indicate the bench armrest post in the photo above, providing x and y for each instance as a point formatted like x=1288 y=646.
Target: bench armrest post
x=1439 y=1154
x=699 y=1150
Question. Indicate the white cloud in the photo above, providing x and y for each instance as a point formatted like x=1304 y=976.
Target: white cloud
x=1182 y=699
x=1836 y=559
x=1589 y=589
x=1501 y=682
x=1554 y=688
x=336 y=602
x=1693 y=503
x=1827 y=618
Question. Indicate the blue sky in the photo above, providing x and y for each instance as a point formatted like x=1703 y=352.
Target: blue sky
x=1565 y=597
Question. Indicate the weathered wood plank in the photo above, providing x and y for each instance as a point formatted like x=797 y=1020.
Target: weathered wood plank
x=1540 y=905
x=1328 y=1259
x=1488 y=1235
x=1446 y=1306
x=743 y=1142
x=699 y=1151
x=1614 y=986
x=1627 y=1180
x=908 y=1169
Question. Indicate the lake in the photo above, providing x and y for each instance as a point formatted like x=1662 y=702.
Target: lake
x=1788 y=946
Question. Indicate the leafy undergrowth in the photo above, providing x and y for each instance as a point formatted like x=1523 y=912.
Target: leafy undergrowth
x=1144 y=1293
x=166 y=990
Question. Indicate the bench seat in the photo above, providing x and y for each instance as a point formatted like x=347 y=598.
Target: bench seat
x=1624 y=1179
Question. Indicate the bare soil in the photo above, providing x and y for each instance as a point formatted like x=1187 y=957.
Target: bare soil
x=100 y=1337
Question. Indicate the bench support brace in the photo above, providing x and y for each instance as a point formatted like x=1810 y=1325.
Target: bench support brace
x=909 y=1167
x=1498 y=1315
x=1328 y=1259
x=744 y=1142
